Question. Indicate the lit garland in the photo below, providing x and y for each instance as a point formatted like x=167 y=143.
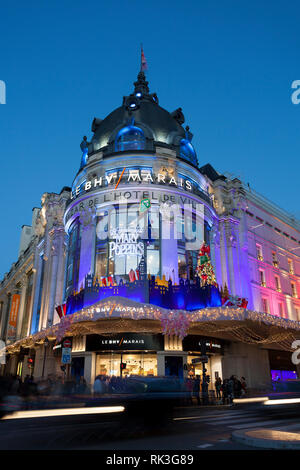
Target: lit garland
x=175 y=324
x=238 y=322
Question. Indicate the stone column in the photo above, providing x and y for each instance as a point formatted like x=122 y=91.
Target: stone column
x=46 y=280
x=160 y=362
x=37 y=272
x=230 y=242
x=215 y=252
x=224 y=269
x=90 y=367
x=245 y=275
x=57 y=264
x=24 y=283
x=87 y=247
x=169 y=251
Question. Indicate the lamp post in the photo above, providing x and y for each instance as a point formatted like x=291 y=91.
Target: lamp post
x=46 y=344
x=204 y=380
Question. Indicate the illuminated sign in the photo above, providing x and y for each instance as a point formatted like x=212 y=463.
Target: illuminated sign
x=125 y=341
x=132 y=176
x=194 y=343
x=156 y=197
x=126 y=242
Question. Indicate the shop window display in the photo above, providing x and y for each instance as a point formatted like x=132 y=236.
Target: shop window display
x=142 y=364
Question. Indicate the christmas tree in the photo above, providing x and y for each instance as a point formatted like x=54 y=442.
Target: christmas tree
x=204 y=268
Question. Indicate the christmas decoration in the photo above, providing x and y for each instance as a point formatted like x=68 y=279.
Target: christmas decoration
x=232 y=300
x=175 y=324
x=119 y=314
x=204 y=268
x=235 y=301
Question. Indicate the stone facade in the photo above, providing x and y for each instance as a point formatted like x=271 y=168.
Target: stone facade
x=254 y=244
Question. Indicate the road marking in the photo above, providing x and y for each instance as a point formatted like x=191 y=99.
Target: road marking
x=219 y=416
x=230 y=418
x=239 y=420
x=256 y=424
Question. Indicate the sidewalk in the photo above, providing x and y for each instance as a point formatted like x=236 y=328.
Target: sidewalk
x=287 y=437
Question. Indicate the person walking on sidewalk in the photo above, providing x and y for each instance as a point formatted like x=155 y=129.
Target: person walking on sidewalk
x=244 y=386
x=218 y=386
x=231 y=389
x=196 y=389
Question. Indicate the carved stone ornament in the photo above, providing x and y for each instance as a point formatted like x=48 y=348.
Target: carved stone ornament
x=87 y=217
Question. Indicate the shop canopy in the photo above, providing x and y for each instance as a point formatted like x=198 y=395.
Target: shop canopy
x=118 y=314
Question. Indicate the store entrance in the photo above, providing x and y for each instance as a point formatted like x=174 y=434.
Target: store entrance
x=213 y=368
x=77 y=368
x=141 y=363
x=174 y=366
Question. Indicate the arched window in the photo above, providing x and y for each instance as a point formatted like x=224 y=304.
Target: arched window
x=73 y=261
x=130 y=138
x=187 y=151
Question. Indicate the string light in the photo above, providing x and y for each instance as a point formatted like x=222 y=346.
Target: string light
x=119 y=314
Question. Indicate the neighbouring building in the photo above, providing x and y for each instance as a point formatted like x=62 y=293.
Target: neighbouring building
x=110 y=264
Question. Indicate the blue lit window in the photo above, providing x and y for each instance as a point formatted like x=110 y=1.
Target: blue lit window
x=130 y=138
x=187 y=151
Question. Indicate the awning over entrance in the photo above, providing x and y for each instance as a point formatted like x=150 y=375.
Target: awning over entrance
x=118 y=314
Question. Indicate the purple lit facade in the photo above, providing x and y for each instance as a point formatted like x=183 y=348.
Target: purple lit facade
x=95 y=241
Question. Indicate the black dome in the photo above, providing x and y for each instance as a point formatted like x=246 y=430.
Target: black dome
x=140 y=109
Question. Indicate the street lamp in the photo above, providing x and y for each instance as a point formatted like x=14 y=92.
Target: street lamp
x=46 y=344
x=204 y=370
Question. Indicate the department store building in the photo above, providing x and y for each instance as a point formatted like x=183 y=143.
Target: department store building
x=111 y=263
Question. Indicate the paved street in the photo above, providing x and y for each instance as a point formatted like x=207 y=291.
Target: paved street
x=189 y=429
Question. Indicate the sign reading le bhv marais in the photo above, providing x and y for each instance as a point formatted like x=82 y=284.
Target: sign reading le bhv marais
x=125 y=341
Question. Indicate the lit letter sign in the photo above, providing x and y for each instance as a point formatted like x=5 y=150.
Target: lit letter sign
x=126 y=242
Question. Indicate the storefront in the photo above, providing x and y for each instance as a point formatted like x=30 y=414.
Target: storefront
x=197 y=346
x=125 y=354
x=281 y=366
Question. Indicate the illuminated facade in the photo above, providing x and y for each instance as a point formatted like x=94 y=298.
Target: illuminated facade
x=139 y=209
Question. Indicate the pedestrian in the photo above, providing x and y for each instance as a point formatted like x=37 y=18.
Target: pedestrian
x=231 y=389
x=237 y=387
x=218 y=386
x=244 y=386
x=189 y=389
x=82 y=386
x=224 y=390
x=15 y=385
x=196 y=388
x=99 y=385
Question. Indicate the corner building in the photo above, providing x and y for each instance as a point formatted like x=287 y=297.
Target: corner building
x=118 y=251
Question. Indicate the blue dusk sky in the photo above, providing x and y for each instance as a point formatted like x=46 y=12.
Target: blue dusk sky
x=228 y=64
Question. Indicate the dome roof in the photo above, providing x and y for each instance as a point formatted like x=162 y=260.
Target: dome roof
x=140 y=109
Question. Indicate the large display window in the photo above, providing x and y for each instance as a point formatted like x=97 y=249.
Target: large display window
x=125 y=235
x=124 y=228
x=142 y=364
x=72 y=269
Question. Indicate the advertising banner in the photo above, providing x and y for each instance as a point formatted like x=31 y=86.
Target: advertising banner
x=13 y=317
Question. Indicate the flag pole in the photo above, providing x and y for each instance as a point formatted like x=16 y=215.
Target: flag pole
x=141 y=57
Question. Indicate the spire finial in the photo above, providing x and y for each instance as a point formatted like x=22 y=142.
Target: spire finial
x=141 y=85
x=144 y=65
